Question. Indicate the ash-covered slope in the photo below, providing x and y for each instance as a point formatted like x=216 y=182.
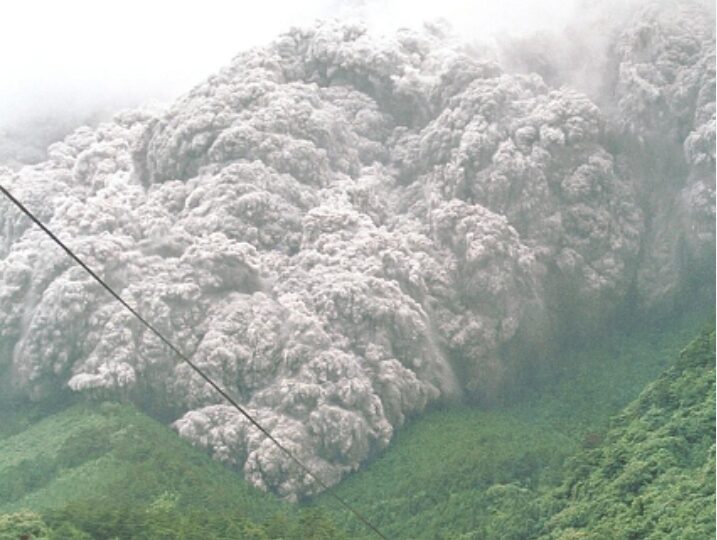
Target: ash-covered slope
x=341 y=229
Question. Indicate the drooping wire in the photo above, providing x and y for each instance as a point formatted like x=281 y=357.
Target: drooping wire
x=191 y=364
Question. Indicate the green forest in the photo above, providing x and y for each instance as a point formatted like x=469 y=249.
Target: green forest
x=616 y=442
x=587 y=456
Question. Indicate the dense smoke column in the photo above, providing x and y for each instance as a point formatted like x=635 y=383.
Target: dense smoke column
x=664 y=71
x=651 y=71
x=341 y=229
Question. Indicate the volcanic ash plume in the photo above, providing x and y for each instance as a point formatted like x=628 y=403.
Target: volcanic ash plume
x=341 y=228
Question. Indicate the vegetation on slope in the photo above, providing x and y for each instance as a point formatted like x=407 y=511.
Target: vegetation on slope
x=112 y=472
x=465 y=473
x=653 y=477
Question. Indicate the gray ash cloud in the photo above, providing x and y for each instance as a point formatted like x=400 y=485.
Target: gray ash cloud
x=343 y=228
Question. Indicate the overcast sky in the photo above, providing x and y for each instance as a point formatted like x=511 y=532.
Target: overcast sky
x=78 y=55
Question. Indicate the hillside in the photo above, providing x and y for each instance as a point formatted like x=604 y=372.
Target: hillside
x=110 y=471
x=510 y=471
x=654 y=475
x=547 y=465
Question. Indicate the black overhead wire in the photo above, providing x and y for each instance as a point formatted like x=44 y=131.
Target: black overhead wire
x=196 y=369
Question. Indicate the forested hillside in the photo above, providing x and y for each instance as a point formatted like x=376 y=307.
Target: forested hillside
x=565 y=462
x=105 y=471
x=654 y=474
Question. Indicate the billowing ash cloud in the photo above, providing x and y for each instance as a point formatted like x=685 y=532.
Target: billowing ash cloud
x=341 y=229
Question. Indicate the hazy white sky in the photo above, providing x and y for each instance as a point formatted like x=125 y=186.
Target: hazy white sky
x=80 y=54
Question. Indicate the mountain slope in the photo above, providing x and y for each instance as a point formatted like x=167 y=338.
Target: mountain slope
x=112 y=472
x=495 y=473
x=653 y=477
x=458 y=472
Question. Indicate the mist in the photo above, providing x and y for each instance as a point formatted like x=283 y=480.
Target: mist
x=78 y=62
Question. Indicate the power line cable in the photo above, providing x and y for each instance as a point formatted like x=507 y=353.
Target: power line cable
x=191 y=364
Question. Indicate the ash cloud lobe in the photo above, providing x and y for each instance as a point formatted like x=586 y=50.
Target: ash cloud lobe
x=342 y=228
